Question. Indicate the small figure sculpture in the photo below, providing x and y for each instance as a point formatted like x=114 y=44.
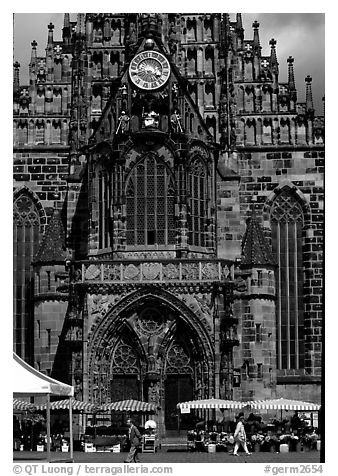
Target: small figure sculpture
x=176 y=121
x=123 y=125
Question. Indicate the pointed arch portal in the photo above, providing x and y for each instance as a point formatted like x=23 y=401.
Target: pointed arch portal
x=151 y=347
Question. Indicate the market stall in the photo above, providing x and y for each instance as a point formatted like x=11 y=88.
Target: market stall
x=29 y=382
x=203 y=438
x=150 y=440
x=114 y=438
x=296 y=433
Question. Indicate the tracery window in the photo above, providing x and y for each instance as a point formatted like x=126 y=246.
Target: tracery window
x=150 y=204
x=178 y=361
x=26 y=224
x=125 y=359
x=125 y=383
x=198 y=202
x=104 y=202
x=287 y=224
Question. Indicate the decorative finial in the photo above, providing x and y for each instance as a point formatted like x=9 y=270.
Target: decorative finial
x=34 y=44
x=51 y=26
x=273 y=56
x=308 y=94
x=291 y=74
x=256 y=34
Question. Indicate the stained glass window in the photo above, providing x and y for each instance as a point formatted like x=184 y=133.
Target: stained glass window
x=150 y=204
x=104 y=202
x=198 y=200
x=287 y=224
x=26 y=224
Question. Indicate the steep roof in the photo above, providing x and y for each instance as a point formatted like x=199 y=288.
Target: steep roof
x=52 y=247
x=255 y=247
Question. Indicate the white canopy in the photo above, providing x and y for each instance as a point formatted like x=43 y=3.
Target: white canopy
x=211 y=403
x=283 y=404
x=29 y=381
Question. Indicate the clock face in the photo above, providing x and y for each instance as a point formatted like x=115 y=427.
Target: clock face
x=149 y=70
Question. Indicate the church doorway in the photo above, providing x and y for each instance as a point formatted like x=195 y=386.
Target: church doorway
x=178 y=388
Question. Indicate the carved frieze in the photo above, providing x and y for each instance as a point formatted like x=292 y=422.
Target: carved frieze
x=131 y=272
x=112 y=272
x=151 y=271
x=171 y=271
x=190 y=271
x=209 y=271
x=159 y=271
x=93 y=272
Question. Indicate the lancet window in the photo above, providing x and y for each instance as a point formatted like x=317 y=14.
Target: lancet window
x=287 y=224
x=150 y=204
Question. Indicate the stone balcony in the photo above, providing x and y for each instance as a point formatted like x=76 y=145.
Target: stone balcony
x=204 y=271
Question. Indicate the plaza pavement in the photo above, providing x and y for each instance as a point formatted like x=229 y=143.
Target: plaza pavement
x=178 y=455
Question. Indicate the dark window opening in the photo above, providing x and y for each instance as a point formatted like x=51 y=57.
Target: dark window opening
x=258 y=332
x=151 y=237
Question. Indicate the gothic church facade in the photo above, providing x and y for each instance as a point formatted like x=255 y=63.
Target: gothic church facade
x=168 y=213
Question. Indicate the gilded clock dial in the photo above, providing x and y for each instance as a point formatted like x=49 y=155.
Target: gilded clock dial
x=149 y=70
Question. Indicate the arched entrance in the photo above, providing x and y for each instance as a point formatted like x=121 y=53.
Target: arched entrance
x=178 y=382
x=151 y=350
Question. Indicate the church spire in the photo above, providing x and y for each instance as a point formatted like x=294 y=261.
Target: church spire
x=33 y=62
x=66 y=20
x=291 y=74
x=16 y=77
x=239 y=23
x=66 y=29
x=50 y=34
x=273 y=56
x=256 y=43
x=80 y=25
x=309 y=99
x=291 y=80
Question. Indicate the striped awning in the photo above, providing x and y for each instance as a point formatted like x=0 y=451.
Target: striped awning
x=77 y=405
x=211 y=403
x=135 y=406
x=21 y=405
x=283 y=404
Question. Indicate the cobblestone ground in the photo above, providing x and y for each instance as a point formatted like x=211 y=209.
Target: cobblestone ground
x=166 y=455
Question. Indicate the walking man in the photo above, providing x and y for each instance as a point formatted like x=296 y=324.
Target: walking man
x=240 y=436
x=135 y=441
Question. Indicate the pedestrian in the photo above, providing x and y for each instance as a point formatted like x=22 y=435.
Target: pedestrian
x=240 y=436
x=135 y=441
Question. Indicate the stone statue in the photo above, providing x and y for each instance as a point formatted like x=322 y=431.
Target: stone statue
x=154 y=393
x=123 y=126
x=175 y=121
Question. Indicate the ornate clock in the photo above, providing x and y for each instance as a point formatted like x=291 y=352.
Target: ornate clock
x=149 y=70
